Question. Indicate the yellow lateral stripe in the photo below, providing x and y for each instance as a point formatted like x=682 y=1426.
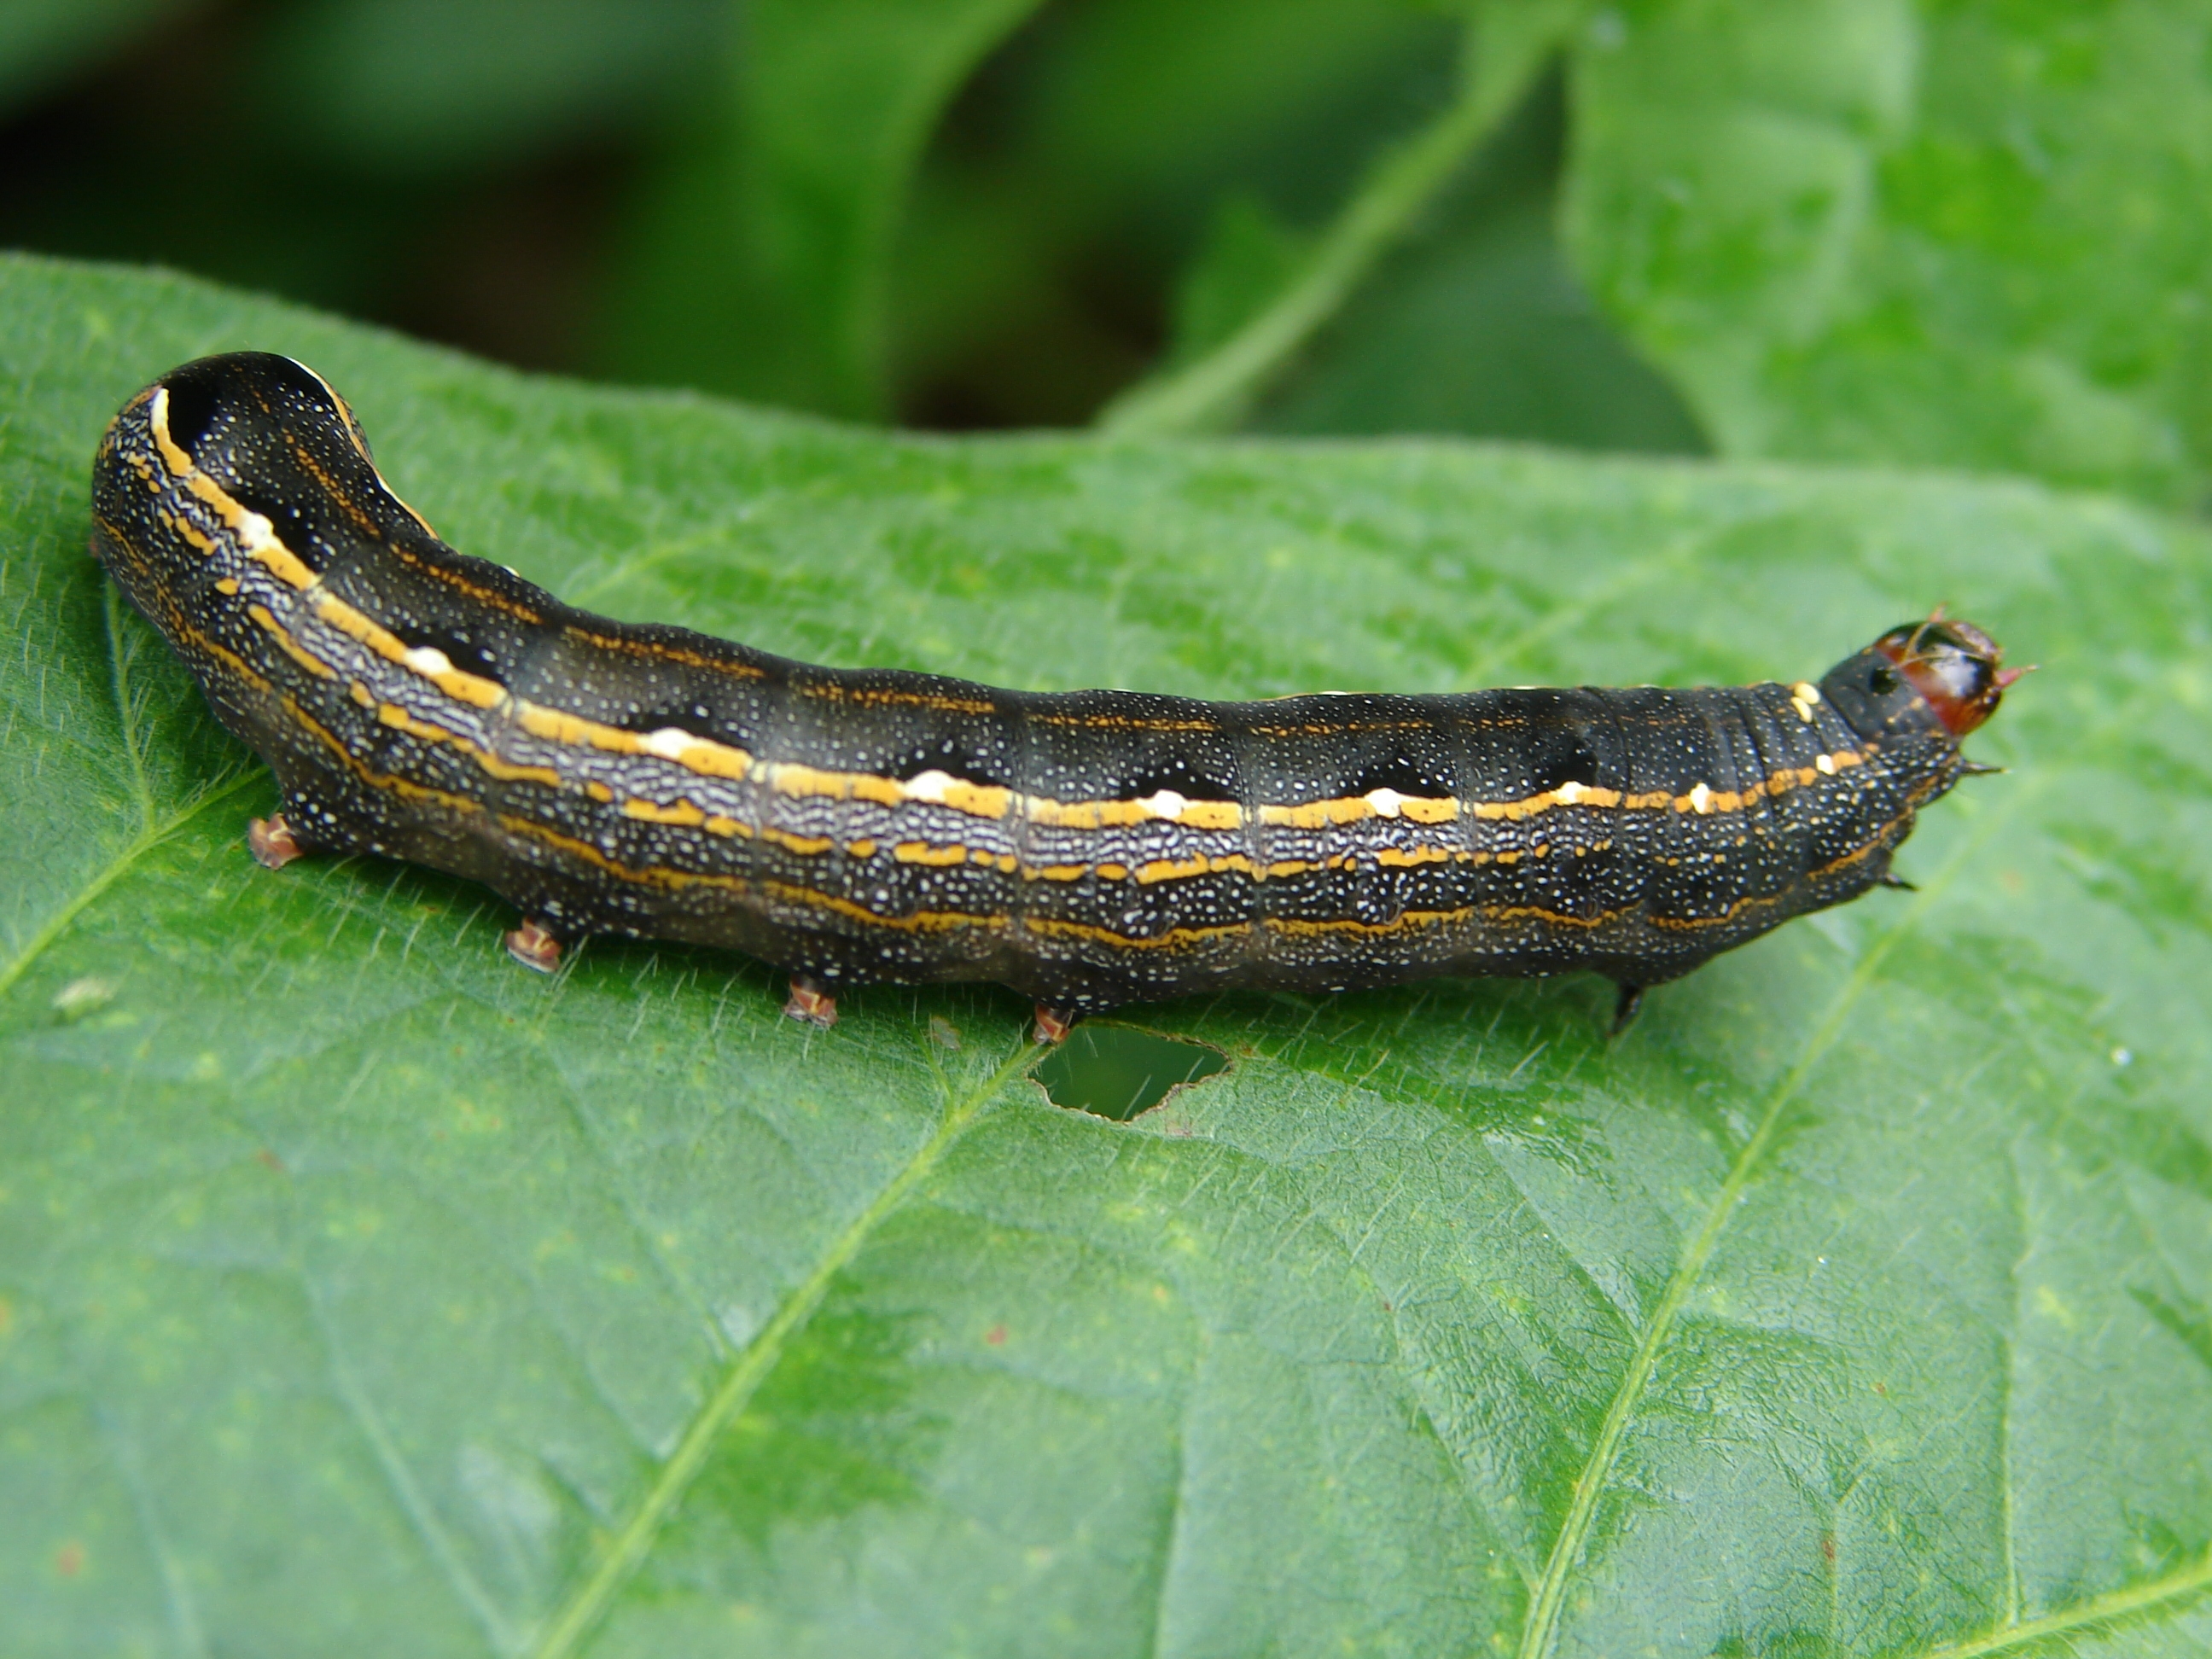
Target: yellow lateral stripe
x=695 y=754
x=792 y=778
x=922 y=922
x=389 y=783
x=804 y=846
x=1392 y=858
x=432 y=665
x=682 y=812
x=1087 y=814
x=291 y=647
x=1405 y=921
x=157 y=422
x=1317 y=814
x=393 y=715
x=254 y=533
x=1211 y=815
x=1172 y=939
x=1168 y=869
x=920 y=852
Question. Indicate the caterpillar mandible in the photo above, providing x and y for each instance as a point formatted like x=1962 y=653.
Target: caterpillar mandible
x=853 y=826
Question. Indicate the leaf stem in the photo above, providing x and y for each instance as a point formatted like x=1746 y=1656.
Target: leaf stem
x=1215 y=392
x=750 y=1369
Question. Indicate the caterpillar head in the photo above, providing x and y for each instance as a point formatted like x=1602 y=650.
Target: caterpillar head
x=1925 y=677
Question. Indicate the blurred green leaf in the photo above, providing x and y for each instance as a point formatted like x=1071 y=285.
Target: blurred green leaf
x=772 y=236
x=1506 y=46
x=439 y=85
x=1081 y=172
x=1482 y=330
x=1966 y=233
x=43 y=41
x=361 y=1293
x=1476 y=326
x=1248 y=256
x=1168 y=104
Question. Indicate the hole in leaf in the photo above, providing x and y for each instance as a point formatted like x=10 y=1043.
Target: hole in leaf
x=1112 y=1071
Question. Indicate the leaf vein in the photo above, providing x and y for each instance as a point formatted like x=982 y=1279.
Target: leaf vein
x=2106 y=1609
x=139 y=845
x=748 y=1369
x=421 y=1518
x=1550 y=1602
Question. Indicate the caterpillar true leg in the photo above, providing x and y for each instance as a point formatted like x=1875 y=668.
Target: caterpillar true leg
x=273 y=842
x=1053 y=1024
x=1624 y=1008
x=534 y=946
x=812 y=1003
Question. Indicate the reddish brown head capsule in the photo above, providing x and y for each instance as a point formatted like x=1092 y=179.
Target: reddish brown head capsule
x=1953 y=666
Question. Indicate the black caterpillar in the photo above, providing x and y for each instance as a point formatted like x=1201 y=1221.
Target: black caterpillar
x=1090 y=848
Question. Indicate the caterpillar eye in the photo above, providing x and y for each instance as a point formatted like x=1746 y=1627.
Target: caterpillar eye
x=1881 y=682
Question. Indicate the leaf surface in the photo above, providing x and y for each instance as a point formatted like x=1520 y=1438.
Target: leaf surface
x=1964 y=234
x=360 y=1292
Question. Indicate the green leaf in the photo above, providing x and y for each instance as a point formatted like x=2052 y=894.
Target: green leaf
x=1478 y=327
x=1503 y=48
x=1248 y=256
x=1482 y=330
x=773 y=237
x=361 y=1293
x=1965 y=234
x=1084 y=163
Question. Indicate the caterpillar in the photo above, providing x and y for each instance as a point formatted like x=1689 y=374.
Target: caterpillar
x=853 y=826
